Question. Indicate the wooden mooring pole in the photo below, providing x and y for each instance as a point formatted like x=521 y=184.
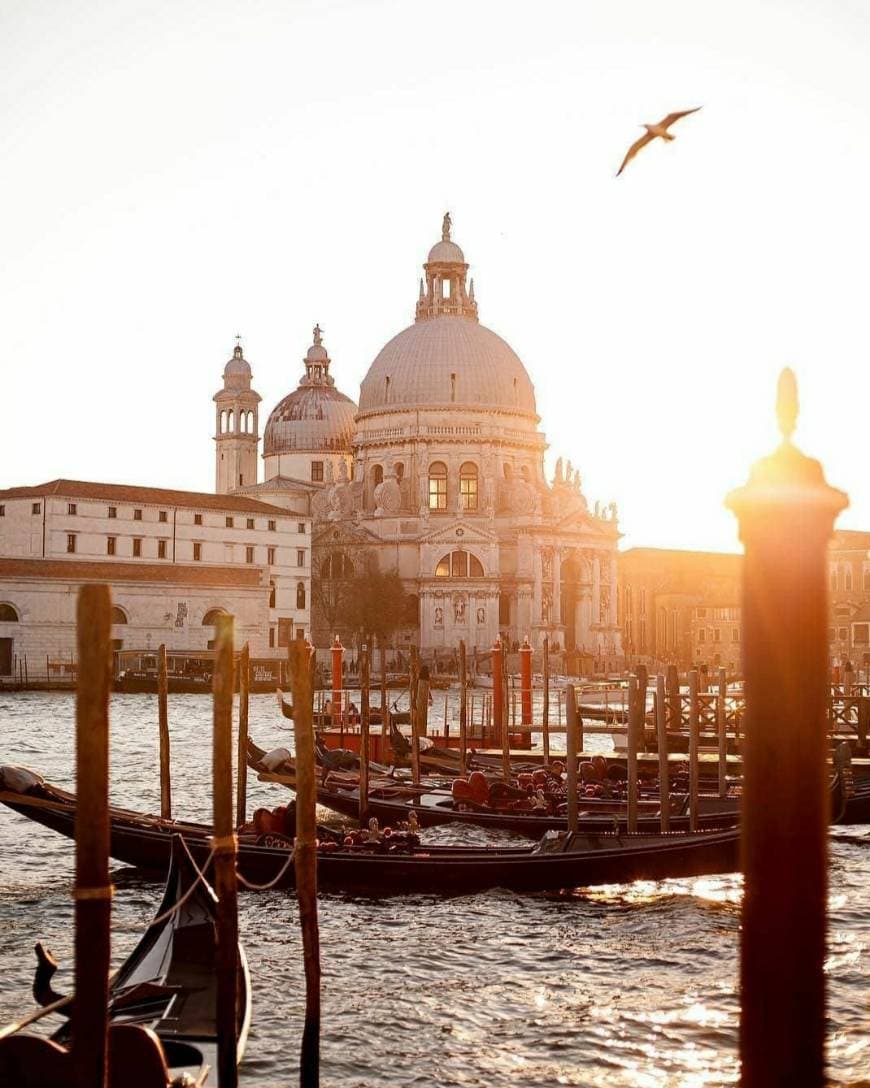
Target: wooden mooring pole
x=225 y=848
x=545 y=715
x=93 y=892
x=364 y=712
x=422 y=716
x=571 y=752
x=299 y=653
x=413 y=683
x=694 y=744
x=786 y=514
x=634 y=714
x=242 y=750
x=664 y=765
x=163 y=729
x=722 y=731
x=463 y=710
x=385 y=709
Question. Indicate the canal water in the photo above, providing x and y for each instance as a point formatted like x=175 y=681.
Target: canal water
x=619 y=986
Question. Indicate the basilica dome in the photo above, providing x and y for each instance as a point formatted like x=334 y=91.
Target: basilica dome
x=446 y=357
x=315 y=416
x=447 y=360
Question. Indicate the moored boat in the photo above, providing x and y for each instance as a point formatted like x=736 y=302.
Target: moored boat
x=167 y=985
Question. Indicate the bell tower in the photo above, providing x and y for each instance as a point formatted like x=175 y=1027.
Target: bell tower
x=237 y=429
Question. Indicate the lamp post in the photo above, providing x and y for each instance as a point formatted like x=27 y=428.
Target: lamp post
x=786 y=513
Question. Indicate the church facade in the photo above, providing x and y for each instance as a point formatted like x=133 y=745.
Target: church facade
x=438 y=473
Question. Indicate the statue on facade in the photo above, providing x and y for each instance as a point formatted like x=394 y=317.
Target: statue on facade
x=459 y=610
x=342 y=471
x=330 y=472
x=439 y=617
x=481 y=615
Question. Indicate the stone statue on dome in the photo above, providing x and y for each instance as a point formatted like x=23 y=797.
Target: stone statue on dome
x=445 y=227
x=557 y=479
x=318 y=335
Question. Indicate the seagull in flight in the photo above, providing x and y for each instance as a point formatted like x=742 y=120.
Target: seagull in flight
x=652 y=131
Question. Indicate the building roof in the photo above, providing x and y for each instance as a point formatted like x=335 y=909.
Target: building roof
x=447 y=360
x=153 y=496
x=850 y=540
x=85 y=570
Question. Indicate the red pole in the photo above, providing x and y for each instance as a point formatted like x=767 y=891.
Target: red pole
x=526 y=681
x=497 y=689
x=337 y=679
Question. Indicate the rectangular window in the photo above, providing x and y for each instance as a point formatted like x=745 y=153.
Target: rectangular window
x=300 y=528
x=112 y=512
x=197 y=519
x=717 y=635
x=271 y=556
x=71 y=508
x=271 y=638
x=437 y=492
x=249 y=554
x=137 y=515
x=847 y=578
x=110 y=545
x=701 y=613
x=861 y=634
x=229 y=523
x=300 y=557
x=867 y=581
x=842 y=634
x=137 y=547
x=197 y=552
x=317 y=472
x=468 y=491
x=161 y=549
x=250 y=523
x=70 y=542
x=459 y=564
x=163 y=516
x=36 y=508
x=2 y=510
x=702 y=635
x=272 y=526
x=735 y=634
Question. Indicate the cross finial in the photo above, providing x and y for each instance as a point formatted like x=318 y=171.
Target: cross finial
x=239 y=339
x=318 y=335
x=787 y=403
x=446 y=224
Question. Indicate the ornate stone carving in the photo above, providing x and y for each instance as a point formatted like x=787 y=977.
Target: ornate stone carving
x=459 y=609
x=388 y=497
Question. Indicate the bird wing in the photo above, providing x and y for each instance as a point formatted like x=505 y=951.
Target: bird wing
x=671 y=117
x=633 y=150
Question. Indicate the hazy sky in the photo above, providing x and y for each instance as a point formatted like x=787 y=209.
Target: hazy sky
x=174 y=173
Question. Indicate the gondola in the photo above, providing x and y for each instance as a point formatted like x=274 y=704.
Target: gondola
x=168 y=985
x=556 y=862
x=433 y=806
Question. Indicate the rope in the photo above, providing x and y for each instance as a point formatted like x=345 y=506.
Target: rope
x=106 y=891
x=271 y=884
x=200 y=878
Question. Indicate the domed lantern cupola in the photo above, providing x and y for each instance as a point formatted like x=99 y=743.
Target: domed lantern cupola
x=237 y=429
x=445 y=293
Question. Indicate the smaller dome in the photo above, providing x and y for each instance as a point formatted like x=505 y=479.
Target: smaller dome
x=237 y=372
x=316 y=354
x=446 y=252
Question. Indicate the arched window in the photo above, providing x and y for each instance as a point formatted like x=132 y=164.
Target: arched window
x=212 y=616
x=377 y=475
x=437 y=486
x=223 y=422
x=508 y=472
x=399 y=470
x=250 y=422
x=300 y=595
x=8 y=614
x=118 y=615
x=230 y=425
x=336 y=566
x=459 y=565
x=468 y=485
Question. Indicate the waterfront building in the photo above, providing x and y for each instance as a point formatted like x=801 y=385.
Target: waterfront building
x=438 y=473
x=175 y=561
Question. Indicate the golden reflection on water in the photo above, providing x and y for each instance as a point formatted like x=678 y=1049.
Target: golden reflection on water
x=712 y=889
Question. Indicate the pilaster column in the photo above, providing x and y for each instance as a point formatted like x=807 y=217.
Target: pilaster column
x=596 y=589
x=613 y=615
x=557 y=586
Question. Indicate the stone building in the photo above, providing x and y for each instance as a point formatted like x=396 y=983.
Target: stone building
x=174 y=559
x=439 y=474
